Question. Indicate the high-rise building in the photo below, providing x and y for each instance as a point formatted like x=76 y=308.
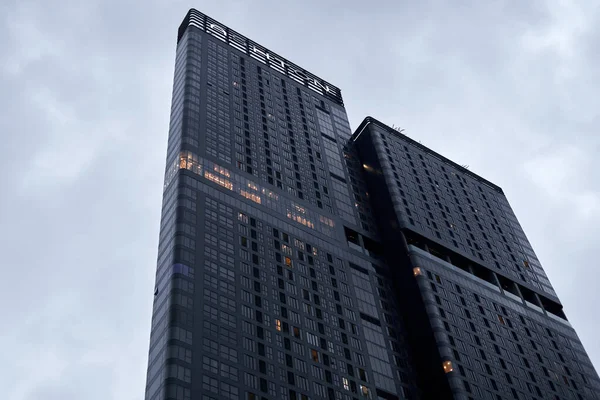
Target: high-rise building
x=270 y=282
x=300 y=261
x=474 y=297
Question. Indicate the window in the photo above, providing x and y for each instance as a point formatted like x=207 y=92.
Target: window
x=312 y=339
x=448 y=366
x=243 y=218
x=417 y=271
x=364 y=391
x=278 y=325
x=210 y=364
x=346 y=385
x=314 y=355
x=229 y=372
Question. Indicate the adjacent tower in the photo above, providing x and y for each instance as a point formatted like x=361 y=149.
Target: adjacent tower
x=475 y=297
x=300 y=261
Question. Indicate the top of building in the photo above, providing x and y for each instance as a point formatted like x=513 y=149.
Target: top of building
x=260 y=53
x=392 y=131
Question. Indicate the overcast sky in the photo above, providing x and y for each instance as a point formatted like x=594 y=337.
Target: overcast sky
x=507 y=87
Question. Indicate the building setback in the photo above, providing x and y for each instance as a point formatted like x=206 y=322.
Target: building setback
x=300 y=261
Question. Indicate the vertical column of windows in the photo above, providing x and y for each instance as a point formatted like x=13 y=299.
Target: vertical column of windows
x=218 y=125
x=318 y=187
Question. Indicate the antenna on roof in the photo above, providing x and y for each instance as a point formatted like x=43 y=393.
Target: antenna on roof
x=397 y=128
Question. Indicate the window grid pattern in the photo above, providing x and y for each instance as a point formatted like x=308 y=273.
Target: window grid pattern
x=497 y=345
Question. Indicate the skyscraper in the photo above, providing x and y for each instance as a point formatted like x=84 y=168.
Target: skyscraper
x=300 y=261
x=478 y=299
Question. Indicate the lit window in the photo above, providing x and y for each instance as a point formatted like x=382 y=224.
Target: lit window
x=286 y=249
x=288 y=261
x=501 y=319
x=526 y=263
x=270 y=194
x=251 y=196
x=448 y=366
x=417 y=271
x=300 y=219
x=299 y=209
x=221 y=171
x=346 y=385
x=188 y=160
x=364 y=391
x=278 y=325
x=218 y=180
x=315 y=355
x=326 y=221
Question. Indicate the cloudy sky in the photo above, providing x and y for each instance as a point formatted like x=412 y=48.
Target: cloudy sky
x=507 y=87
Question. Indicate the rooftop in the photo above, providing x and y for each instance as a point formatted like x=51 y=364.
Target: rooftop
x=392 y=131
x=246 y=46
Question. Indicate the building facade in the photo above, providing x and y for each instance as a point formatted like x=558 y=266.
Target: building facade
x=470 y=286
x=299 y=261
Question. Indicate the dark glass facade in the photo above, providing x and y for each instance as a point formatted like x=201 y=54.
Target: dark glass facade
x=470 y=286
x=299 y=261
